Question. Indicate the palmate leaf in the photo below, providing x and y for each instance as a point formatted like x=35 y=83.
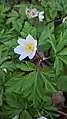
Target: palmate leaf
x=52 y=41
x=3 y=10
x=43 y=40
x=14 y=101
x=33 y=85
x=59 y=47
x=58 y=65
x=17 y=19
x=25 y=115
x=61 y=82
x=61 y=6
x=50 y=9
x=9 y=65
x=62 y=41
x=4 y=55
x=51 y=111
x=14 y=104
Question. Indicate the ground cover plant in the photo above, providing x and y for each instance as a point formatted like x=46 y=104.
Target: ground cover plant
x=33 y=59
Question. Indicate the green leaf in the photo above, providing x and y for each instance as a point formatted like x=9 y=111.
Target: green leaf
x=58 y=66
x=33 y=85
x=2 y=77
x=1 y=95
x=52 y=41
x=11 y=43
x=15 y=84
x=61 y=82
x=62 y=41
x=28 y=29
x=15 y=104
x=9 y=65
x=50 y=9
x=25 y=115
x=63 y=52
x=27 y=66
x=43 y=40
x=63 y=59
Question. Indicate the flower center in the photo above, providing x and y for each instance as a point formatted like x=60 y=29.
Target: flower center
x=29 y=47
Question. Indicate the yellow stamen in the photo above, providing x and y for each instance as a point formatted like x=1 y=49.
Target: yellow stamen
x=29 y=47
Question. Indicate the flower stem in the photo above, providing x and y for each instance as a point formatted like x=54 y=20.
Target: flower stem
x=41 y=57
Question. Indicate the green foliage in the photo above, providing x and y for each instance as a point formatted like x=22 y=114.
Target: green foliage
x=43 y=41
x=28 y=29
x=26 y=87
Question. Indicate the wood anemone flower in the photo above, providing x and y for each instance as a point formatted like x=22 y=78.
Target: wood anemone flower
x=31 y=12
x=26 y=48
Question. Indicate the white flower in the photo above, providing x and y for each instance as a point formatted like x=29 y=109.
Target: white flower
x=42 y=117
x=41 y=16
x=65 y=18
x=26 y=47
x=31 y=12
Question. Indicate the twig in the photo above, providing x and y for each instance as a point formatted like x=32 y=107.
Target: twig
x=62 y=113
x=41 y=57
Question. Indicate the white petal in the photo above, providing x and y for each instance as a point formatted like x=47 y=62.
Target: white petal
x=32 y=54
x=35 y=43
x=19 y=49
x=30 y=39
x=21 y=41
x=65 y=18
x=42 y=12
x=23 y=56
x=42 y=117
x=41 y=16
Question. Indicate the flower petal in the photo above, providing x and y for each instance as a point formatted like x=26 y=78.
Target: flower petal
x=23 y=56
x=30 y=39
x=21 y=41
x=42 y=117
x=32 y=54
x=65 y=18
x=19 y=49
x=42 y=12
x=41 y=16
